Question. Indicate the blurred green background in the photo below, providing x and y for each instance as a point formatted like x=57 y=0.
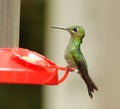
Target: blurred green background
x=32 y=24
x=31 y=37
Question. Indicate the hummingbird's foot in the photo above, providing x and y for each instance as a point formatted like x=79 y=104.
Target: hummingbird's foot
x=69 y=68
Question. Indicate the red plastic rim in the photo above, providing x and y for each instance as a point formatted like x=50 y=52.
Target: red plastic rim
x=67 y=70
x=31 y=57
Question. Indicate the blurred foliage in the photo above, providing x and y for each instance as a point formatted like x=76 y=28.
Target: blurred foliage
x=32 y=25
x=31 y=37
x=20 y=97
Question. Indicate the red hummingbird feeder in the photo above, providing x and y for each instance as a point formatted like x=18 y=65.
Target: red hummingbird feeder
x=22 y=66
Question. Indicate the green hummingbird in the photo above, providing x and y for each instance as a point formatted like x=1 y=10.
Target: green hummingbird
x=75 y=58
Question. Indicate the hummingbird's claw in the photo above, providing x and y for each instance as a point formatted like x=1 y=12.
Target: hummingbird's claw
x=70 y=68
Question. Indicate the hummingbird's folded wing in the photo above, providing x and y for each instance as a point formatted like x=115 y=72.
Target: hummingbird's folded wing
x=82 y=70
x=80 y=63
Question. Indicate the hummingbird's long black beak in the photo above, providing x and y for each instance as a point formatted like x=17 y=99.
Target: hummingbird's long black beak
x=59 y=28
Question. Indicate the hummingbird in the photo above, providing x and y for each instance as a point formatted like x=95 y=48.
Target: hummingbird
x=74 y=57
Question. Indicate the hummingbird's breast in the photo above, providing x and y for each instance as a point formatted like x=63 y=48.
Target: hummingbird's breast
x=68 y=55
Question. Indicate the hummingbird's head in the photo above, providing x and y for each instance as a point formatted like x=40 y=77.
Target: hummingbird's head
x=75 y=31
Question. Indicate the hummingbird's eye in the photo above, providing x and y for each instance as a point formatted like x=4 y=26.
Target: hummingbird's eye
x=75 y=29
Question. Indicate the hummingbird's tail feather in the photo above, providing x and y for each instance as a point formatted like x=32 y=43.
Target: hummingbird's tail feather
x=90 y=84
x=91 y=87
x=84 y=74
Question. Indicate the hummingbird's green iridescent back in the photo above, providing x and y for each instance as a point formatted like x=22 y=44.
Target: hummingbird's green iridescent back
x=75 y=58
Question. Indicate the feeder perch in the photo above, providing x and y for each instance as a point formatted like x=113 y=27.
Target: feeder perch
x=22 y=66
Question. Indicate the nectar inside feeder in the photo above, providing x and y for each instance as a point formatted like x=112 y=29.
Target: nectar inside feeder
x=22 y=66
